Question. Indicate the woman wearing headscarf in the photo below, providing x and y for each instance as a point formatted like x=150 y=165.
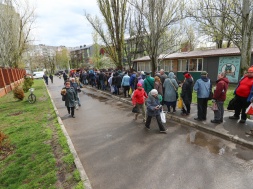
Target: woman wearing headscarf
x=186 y=94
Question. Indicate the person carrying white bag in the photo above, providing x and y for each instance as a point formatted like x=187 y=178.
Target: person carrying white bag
x=154 y=108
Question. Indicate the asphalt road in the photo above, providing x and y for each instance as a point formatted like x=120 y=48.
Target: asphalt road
x=119 y=153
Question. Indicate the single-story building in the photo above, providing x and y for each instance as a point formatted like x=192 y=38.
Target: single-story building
x=213 y=61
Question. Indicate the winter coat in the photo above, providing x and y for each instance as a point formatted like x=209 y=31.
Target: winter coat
x=151 y=103
x=71 y=97
x=131 y=81
x=187 y=89
x=220 y=93
x=158 y=86
x=125 y=80
x=139 y=96
x=148 y=84
x=170 y=88
x=203 y=87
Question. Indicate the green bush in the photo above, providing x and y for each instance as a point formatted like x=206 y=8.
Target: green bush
x=27 y=84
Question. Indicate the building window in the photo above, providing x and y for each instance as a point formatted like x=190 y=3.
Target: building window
x=196 y=64
x=143 y=66
x=167 y=65
x=182 y=65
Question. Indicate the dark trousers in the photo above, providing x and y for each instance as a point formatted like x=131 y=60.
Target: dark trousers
x=159 y=122
x=202 y=108
x=187 y=108
x=72 y=110
x=240 y=107
x=126 y=90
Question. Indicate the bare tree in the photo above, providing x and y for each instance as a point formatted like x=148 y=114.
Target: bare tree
x=16 y=21
x=113 y=12
x=230 y=20
x=159 y=16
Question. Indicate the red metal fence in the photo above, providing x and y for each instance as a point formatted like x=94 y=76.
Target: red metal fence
x=9 y=77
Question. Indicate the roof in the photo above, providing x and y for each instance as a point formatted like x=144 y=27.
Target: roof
x=196 y=54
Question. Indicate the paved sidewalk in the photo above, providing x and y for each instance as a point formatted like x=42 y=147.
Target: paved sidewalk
x=230 y=129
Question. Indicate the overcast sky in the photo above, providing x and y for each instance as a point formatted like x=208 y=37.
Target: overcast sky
x=62 y=22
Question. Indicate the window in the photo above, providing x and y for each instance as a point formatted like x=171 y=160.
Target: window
x=196 y=64
x=182 y=65
x=167 y=65
x=143 y=66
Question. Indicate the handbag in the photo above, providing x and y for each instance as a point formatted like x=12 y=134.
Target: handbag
x=78 y=89
x=180 y=103
x=135 y=109
x=249 y=110
x=231 y=104
x=163 y=116
x=63 y=97
x=214 y=106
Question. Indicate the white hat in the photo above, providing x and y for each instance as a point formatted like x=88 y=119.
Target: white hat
x=154 y=92
x=142 y=72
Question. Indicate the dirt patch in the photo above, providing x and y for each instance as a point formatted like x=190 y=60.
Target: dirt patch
x=16 y=113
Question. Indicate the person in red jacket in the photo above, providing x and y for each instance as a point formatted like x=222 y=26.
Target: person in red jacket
x=138 y=99
x=220 y=94
x=241 y=95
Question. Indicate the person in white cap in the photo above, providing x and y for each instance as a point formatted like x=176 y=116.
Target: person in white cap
x=154 y=109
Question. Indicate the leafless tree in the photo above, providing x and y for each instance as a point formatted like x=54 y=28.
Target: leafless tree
x=114 y=13
x=159 y=17
x=16 y=22
x=230 y=20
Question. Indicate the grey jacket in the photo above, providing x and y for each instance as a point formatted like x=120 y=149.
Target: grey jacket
x=151 y=103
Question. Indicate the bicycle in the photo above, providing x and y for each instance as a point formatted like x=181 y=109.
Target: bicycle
x=31 y=97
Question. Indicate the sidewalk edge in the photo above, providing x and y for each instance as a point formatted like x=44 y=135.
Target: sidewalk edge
x=77 y=161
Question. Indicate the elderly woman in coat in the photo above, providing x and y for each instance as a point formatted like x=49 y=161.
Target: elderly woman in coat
x=154 y=109
x=170 y=92
x=69 y=96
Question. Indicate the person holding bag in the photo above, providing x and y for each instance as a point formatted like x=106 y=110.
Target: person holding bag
x=138 y=100
x=219 y=96
x=154 y=108
x=70 y=98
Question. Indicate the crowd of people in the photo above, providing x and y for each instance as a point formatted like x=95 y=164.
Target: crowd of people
x=148 y=93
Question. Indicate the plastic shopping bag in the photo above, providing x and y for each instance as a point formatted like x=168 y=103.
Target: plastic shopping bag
x=130 y=91
x=249 y=110
x=214 y=106
x=163 y=116
x=180 y=103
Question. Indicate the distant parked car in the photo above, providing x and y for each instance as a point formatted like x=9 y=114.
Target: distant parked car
x=38 y=75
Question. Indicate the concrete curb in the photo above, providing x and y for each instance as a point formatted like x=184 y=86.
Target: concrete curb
x=77 y=161
x=232 y=138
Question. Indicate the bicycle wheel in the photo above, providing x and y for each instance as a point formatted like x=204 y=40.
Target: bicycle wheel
x=31 y=98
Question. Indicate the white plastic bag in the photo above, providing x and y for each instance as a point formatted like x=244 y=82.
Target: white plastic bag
x=163 y=116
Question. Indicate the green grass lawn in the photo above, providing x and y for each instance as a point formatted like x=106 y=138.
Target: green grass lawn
x=36 y=153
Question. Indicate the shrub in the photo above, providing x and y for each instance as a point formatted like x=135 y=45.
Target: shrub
x=18 y=92
x=27 y=84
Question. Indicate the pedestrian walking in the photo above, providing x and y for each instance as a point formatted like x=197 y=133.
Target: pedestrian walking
x=170 y=92
x=186 y=93
x=77 y=89
x=69 y=96
x=125 y=83
x=51 y=78
x=219 y=96
x=45 y=78
x=153 y=110
x=243 y=96
x=203 y=86
x=138 y=99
